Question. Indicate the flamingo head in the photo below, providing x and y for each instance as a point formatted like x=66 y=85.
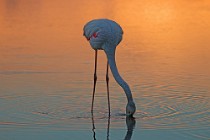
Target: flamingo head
x=130 y=109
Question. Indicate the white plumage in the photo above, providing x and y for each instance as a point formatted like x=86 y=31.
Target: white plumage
x=107 y=32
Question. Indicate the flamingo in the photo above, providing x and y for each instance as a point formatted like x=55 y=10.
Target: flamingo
x=105 y=34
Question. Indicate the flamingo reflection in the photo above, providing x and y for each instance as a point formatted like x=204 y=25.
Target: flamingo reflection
x=130 y=122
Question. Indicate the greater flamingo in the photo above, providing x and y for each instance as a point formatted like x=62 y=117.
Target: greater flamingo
x=105 y=34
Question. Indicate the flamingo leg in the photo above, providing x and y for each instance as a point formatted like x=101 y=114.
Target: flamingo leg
x=107 y=85
x=95 y=79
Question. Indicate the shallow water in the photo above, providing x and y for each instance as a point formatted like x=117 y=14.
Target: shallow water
x=46 y=70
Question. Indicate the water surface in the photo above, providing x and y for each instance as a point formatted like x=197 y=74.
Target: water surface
x=46 y=70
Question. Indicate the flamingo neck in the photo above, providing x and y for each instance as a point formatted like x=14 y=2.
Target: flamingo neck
x=111 y=59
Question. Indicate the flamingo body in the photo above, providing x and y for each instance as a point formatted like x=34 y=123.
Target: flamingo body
x=101 y=32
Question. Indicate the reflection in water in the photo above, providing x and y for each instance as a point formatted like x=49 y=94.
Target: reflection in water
x=108 y=126
x=93 y=129
x=130 y=122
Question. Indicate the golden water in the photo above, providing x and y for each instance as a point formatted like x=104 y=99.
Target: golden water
x=46 y=70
